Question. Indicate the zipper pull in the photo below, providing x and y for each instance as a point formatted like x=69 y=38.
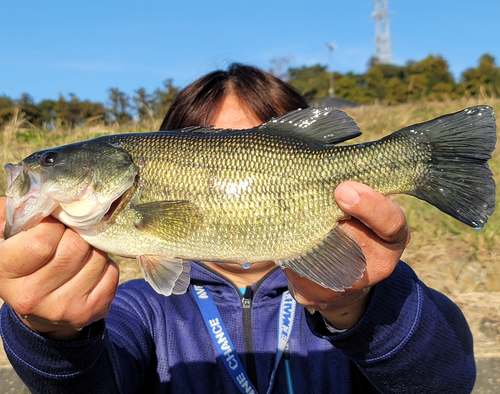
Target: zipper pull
x=246 y=301
x=286 y=352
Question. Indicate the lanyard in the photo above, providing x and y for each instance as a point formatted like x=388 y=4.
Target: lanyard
x=224 y=345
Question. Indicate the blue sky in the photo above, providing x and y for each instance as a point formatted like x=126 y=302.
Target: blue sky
x=86 y=47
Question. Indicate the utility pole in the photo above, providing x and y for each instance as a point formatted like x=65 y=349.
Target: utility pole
x=382 y=35
x=331 y=47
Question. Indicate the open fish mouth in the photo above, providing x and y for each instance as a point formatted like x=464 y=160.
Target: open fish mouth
x=26 y=204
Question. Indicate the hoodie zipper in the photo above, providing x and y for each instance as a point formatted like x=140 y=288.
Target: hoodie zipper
x=246 y=302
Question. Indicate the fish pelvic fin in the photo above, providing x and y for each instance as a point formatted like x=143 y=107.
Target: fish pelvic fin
x=166 y=276
x=457 y=179
x=168 y=218
x=336 y=263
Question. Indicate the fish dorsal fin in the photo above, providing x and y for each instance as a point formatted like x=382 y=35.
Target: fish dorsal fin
x=166 y=276
x=168 y=218
x=324 y=125
x=205 y=130
x=198 y=130
x=337 y=263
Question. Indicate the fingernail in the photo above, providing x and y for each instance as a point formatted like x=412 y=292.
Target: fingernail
x=348 y=195
x=323 y=305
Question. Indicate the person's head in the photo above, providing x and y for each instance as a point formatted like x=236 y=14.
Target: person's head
x=240 y=91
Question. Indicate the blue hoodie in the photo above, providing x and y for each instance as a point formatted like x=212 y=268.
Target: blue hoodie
x=411 y=339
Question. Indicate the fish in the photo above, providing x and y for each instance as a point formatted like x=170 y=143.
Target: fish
x=245 y=196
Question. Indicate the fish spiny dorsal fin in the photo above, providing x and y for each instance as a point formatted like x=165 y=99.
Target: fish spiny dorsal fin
x=324 y=125
x=199 y=130
x=203 y=130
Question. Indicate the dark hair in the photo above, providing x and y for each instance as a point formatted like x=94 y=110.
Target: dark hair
x=262 y=93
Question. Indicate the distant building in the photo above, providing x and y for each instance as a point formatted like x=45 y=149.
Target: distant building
x=333 y=102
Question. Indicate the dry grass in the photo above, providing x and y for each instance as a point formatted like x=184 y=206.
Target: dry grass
x=450 y=257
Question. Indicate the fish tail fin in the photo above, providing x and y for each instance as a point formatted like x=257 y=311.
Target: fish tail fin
x=457 y=179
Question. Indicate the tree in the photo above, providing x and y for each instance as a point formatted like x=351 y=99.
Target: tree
x=278 y=65
x=374 y=82
x=119 y=106
x=397 y=91
x=6 y=110
x=163 y=98
x=75 y=112
x=486 y=76
x=48 y=113
x=417 y=87
x=311 y=82
x=144 y=104
x=27 y=106
x=349 y=87
x=433 y=69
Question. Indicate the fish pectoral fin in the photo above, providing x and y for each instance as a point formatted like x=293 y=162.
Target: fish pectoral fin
x=168 y=218
x=336 y=263
x=166 y=275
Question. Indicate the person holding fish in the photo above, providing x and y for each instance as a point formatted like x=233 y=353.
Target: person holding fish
x=210 y=213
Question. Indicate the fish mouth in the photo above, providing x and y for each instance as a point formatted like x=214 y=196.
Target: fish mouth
x=26 y=205
x=112 y=209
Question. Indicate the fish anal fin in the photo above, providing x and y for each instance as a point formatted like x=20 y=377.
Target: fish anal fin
x=336 y=263
x=168 y=218
x=166 y=276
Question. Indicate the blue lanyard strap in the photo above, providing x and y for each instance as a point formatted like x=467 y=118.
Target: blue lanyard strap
x=224 y=345
x=285 y=323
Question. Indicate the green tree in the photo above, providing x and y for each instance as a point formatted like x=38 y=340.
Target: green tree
x=31 y=111
x=397 y=91
x=75 y=112
x=6 y=110
x=119 y=106
x=434 y=70
x=374 y=83
x=144 y=104
x=486 y=76
x=163 y=98
x=48 y=113
x=441 y=91
x=417 y=86
x=311 y=82
x=349 y=87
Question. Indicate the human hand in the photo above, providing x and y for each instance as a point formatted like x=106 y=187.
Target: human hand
x=55 y=281
x=381 y=229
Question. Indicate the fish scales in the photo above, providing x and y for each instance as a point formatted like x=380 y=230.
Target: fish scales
x=248 y=196
x=260 y=198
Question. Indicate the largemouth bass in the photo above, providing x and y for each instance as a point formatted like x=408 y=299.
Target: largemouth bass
x=245 y=196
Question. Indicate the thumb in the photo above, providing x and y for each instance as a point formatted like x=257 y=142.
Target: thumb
x=381 y=215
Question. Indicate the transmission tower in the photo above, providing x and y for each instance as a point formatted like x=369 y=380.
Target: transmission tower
x=382 y=36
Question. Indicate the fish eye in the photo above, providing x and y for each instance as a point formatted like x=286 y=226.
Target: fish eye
x=48 y=159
